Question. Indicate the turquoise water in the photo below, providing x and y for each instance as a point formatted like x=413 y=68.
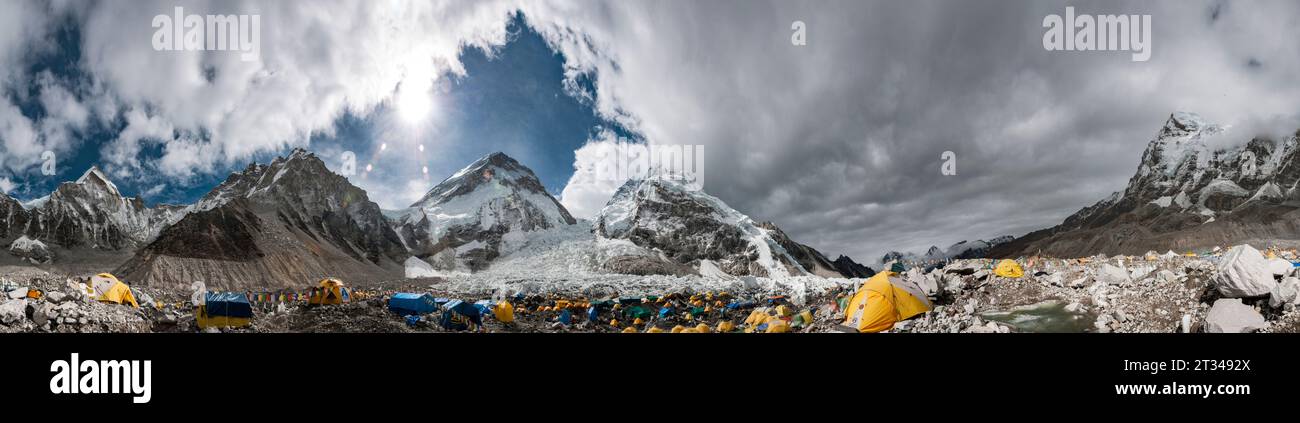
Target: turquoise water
x=1044 y=317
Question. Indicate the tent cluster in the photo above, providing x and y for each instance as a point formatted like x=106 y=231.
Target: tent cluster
x=451 y=314
x=235 y=309
x=675 y=312
x=682 y=312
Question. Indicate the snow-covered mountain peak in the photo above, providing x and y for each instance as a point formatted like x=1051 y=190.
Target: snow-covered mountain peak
x=1183 y=137
x=299 y=177
x=497 y=171
x=92 y=212
x=961 y=250
x=690 y=226
x=479 y=211
x=1184 y=123
x=96 y=178
x=1193 y=173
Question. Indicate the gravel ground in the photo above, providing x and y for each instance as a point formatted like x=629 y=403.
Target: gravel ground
x=1096 y=294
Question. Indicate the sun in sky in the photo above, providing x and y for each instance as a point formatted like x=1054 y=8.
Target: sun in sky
x=414 y=99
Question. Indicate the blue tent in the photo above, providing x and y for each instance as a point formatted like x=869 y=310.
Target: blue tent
x=228 y=304
x=407 y=304
x=459 y=315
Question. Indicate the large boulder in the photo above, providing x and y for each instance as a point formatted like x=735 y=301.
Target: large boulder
x=1229 y=315
x=55 y=297
x=1279 y=267
x=13 y=311
x=1286 y=292
x=929 y=284
x=17 y=293
x=1113 y=275
x=1243 y=272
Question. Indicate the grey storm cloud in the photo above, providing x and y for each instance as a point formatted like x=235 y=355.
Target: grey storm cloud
x=838 y=141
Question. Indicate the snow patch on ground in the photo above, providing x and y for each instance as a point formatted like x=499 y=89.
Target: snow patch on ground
x=1268 y=190
x=24 y=243
x=1182 y=201
x=709 y=269
x=416 y=268
x=1221 y=186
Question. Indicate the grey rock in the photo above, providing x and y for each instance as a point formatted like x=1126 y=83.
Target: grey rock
x=1243 y=272
x=40 y=314
x=1113 y=274
x=13 y=311
x=1230 y=315
x=17 y=293
x=55 y=297
x=1286 y=292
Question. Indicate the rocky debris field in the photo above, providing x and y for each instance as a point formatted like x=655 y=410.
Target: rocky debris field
x=1151 y=293
x=1233 y=290
x=68 y=311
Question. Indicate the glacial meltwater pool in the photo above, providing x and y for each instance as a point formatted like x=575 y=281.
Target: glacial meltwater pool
x=1047 y=316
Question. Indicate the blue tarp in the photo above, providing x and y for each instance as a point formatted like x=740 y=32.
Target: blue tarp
x=484 y=306
x=406 y=304
x=459 y=314
x=229 y=304
x=739 y=305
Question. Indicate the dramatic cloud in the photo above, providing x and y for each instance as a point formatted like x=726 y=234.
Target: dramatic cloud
x=318 y=61
x=590 y=187
x=839 y=141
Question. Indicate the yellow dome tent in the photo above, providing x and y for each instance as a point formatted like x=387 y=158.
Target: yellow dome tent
x=504 y=312
x=105 y=287
x=330 y=291
x=1008 y=268
x=882 y=301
